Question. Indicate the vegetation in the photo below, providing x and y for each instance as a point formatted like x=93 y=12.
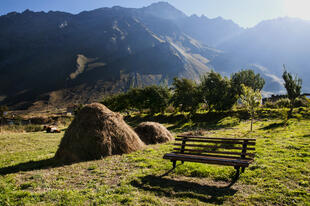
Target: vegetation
x=214 y=92
x=154 y=98
x=280 y=174
x=3 y=109
x=249 y=79
x=186 y=95
x=217 y=91
x=251 y=100
x=293 y=88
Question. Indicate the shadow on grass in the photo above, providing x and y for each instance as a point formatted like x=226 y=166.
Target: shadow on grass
x=167 y=187
x=273 y=126
x=32 y=165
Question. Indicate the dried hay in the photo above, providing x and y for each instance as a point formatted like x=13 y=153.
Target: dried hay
x=97 y=132
x=153 y=133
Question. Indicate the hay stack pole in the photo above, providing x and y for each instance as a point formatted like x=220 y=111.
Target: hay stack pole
x=97 y=132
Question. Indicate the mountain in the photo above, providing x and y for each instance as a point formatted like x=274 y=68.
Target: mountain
x=58 y=57
x=55 y=58
x=208 y=31
x=266 y=47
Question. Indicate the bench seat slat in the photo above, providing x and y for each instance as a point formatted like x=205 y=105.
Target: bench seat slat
x=210 y=160
x=212 y=146
x=219 y=138
x=215 y=141
x=213 y=152
x=212 y=155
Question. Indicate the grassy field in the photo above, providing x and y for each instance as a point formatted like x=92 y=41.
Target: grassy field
x=280 y=174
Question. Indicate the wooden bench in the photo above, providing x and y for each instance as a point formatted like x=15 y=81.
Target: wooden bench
x=213 y=150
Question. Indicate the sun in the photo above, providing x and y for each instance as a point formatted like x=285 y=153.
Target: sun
x=298 y=8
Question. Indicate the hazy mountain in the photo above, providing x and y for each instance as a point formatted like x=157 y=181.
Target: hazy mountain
x=266 y=47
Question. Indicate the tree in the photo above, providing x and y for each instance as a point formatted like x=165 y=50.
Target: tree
x=293 y=88
x=136 y=99
x=186 y=95
x=249 y=79
x=117 y=102
x=217 y=92
x=156 y=98
x=251 y=100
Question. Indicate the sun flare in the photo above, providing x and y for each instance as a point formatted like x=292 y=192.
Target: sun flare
x=298 y=8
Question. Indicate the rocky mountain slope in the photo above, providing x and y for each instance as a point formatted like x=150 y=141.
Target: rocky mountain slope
x=57 y=56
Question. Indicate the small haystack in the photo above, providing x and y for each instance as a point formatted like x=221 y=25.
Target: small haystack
x=97 y=132
x=153 y=133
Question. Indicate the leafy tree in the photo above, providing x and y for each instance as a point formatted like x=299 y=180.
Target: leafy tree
x=217 y=92
x=156 y=98
x=186 y=95
x=118 y=102
x=249 y=79
x=251 y=100
x=293 y=88
x=136 y=98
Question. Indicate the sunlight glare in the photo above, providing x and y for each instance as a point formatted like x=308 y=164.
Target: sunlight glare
x=298 y=8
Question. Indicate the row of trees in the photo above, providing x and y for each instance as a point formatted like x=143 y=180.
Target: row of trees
x=214 y=91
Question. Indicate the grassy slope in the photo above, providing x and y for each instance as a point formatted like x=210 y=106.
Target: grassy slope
x=280 y=174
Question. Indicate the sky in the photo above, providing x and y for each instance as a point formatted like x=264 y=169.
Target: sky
x=246 y=13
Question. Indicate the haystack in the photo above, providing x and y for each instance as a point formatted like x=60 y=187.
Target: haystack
x=97 y=132
x=153 y=133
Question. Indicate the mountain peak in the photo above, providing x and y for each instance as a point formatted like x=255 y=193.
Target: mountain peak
x=162 y=4
x=164 y=10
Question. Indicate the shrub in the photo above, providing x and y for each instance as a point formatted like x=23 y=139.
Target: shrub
x=282 y=103
x=270 y=104
x=302 y=102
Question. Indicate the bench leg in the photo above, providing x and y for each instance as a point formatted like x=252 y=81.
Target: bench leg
x=174 y=162
x=242 y=170
x=182 y=162
x=237 y=173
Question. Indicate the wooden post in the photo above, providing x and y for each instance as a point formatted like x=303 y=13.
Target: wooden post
x=244 y=147
x=183 y=146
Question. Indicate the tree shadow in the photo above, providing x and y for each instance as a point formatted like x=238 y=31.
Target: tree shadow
x=171 y=188
x=273 y=126
x=32 y=165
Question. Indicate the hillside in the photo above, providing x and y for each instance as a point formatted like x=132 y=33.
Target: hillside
x=92 y=53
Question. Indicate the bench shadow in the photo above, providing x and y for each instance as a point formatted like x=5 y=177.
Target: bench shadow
x=32 y=165
x=171 y=188
x=273 y=126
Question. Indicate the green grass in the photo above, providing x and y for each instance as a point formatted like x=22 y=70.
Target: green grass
x=280 y=174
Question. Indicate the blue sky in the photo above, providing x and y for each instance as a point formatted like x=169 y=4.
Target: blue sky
x=246 y=13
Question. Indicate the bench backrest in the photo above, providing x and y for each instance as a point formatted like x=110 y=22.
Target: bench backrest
x=215 y=146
